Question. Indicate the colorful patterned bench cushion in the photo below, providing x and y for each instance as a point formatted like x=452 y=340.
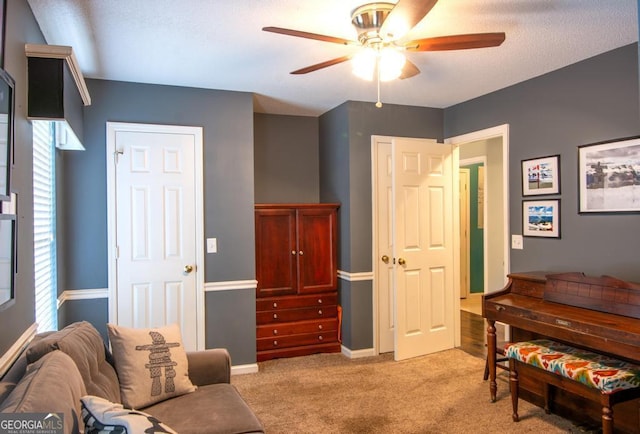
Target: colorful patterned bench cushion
x=591 y=369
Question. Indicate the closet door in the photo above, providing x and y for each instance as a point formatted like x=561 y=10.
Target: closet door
x=276 y=252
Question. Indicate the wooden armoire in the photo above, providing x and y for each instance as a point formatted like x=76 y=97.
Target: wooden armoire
x=296 y=269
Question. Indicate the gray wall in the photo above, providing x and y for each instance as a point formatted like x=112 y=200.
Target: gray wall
x=17 y=315
x=345 y=177
x=286 y=159
x=584 y=103
x=227 y=120
x=591 y=101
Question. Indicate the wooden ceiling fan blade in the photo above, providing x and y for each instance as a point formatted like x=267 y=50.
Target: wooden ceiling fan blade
x=322 y=65
x=404 y=16
x=456 y=42
x=307 y=35
x=409 y=70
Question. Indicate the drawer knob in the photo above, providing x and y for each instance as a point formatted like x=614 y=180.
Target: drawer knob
x=319 y=326
x=275 y=304
x=500 y=308
x=319 y=311
x=320 y=338
x=275 y=316
x=275 y=332
x=319 y=301
x=275 y=343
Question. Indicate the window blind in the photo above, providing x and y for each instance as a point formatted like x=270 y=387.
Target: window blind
x=44 y=225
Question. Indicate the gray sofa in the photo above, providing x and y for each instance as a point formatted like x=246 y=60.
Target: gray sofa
x=58 y=368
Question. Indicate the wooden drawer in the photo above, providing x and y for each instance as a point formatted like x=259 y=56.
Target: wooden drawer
x=297 y=340
x=296 y=328
x=332 y=347
x=307 y=313
x=296 y=301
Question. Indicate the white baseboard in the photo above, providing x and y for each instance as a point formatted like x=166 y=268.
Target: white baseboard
x=251 y=368
x=357 y=354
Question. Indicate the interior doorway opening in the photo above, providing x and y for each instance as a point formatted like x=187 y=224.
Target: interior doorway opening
x=492 y=147
x=488 y=151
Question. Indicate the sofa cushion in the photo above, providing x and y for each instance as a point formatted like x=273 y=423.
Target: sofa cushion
x=82 y=342
x=102 y=416
x=212 y=409
x=151 y=363
x=52 y=384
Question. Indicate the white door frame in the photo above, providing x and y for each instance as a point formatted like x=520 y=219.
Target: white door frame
x=375 y=139
x=465 y=241
x=500 y=131
x=485 y=254
x=112 y=128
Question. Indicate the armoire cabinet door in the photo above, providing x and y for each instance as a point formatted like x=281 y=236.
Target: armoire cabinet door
x=276 y=252
x=296 y=249
x=317 y=261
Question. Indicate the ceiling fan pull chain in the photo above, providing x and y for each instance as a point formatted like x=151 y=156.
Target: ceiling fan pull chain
x=378 y=103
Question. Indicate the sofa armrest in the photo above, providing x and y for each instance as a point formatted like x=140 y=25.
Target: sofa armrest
x=209 y=366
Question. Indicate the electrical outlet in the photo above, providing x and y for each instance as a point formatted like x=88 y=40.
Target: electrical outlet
x=212 y=245
x=516 y=242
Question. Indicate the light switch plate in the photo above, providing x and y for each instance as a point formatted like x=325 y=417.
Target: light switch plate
x=516 y=242
x=212 y=245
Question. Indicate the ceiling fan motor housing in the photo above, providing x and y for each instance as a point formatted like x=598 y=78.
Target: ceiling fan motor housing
x=367 y=20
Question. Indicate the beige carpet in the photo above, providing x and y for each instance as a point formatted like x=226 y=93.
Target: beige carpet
x=439 y=393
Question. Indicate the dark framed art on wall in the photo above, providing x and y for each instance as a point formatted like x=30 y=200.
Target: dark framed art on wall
x=609 y=176
x=541 y=176
x=541 y=218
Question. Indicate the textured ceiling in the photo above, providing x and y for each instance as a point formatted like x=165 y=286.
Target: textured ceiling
x=219 y=44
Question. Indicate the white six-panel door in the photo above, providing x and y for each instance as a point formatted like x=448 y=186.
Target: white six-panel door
x=424 y=251
x=384 y=242
x=156 y=219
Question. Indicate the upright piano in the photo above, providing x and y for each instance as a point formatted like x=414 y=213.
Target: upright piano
x=601 y=314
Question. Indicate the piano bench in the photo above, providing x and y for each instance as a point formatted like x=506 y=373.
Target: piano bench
x=591 y=375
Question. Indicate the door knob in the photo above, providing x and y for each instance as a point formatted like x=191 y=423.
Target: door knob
x=401 y=261
x=385 y=259
x=188 y=269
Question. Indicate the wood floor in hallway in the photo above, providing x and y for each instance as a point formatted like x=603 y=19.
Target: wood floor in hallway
x=472 y=334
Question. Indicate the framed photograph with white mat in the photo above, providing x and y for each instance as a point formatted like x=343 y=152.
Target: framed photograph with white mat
x=541 y=218
x=609 y=176
x=541 y=176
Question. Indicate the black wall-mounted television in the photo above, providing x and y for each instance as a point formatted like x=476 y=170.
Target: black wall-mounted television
x=7 y=105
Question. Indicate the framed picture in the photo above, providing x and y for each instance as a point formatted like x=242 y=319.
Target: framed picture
x=541 y=176
x=541 y=218
x=609 y=176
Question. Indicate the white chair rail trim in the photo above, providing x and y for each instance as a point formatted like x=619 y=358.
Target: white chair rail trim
x=355 y=277
x=14 y=351
x=82 y=294
x=230 y=285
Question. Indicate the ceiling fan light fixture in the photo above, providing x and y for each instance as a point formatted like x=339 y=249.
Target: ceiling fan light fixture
x=390 y=63
x=364 y=63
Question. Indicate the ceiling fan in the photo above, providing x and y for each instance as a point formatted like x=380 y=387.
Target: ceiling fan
x=381 y=30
